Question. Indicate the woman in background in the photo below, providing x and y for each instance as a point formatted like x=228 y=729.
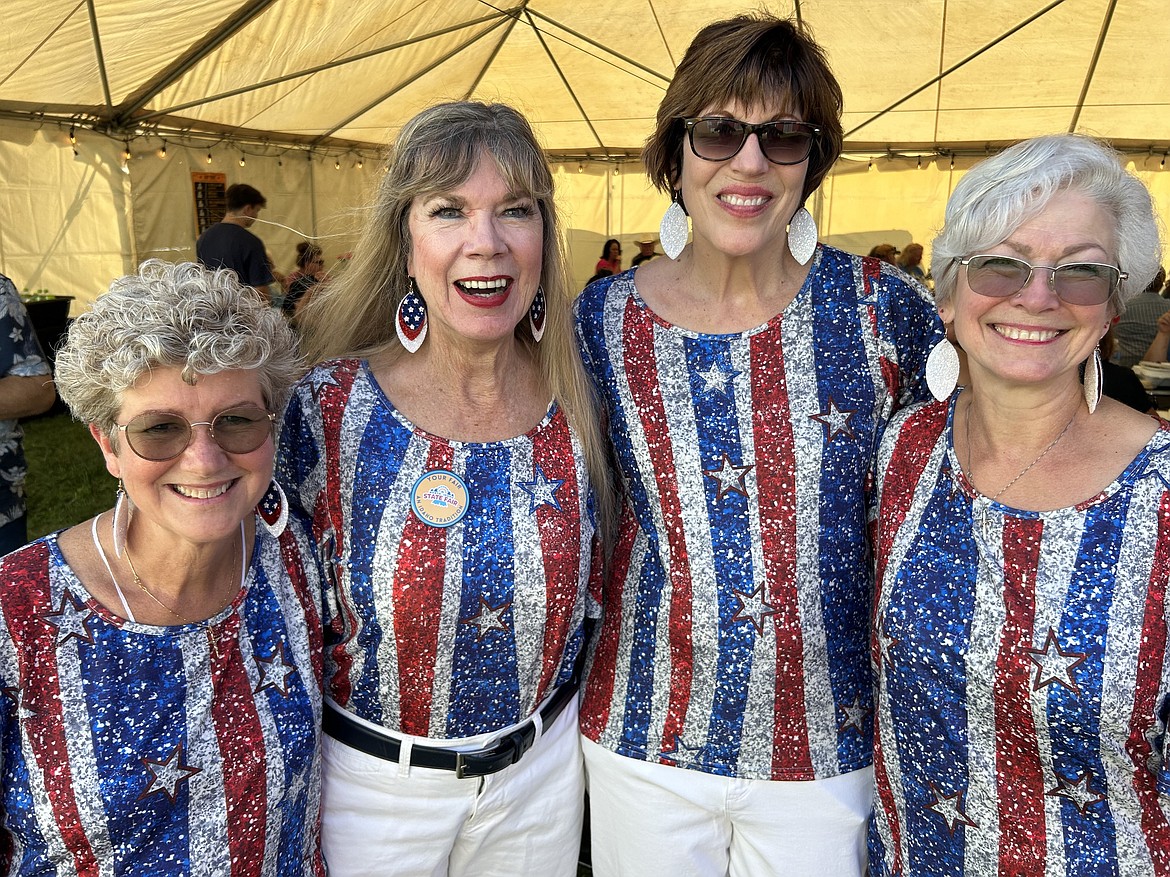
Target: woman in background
x=611 y=257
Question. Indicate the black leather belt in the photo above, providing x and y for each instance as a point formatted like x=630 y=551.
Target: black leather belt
x=475 y=763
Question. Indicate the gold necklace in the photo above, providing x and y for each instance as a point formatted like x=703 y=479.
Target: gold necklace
x=206 y=625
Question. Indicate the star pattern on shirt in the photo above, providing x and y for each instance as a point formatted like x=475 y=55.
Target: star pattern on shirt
x=17 y=696
x=950 y=808
x=1054 y=665
x=729 y=478
x=752 y=608
x=835 y=420
x=295 y=787
x=682 y=755
x=488 y=618
x=885 y=642
x=541 y=490
x=855 y=714
x=716 y=379
x=274 y=672
x=167 y=775
x=70 y=619
x=319 y=380
x=1077 y=791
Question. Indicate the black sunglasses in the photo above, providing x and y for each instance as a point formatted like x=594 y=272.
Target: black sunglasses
x=718 y=138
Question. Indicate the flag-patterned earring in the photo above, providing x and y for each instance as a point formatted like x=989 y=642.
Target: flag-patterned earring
x=536 y=315
x=410 y=320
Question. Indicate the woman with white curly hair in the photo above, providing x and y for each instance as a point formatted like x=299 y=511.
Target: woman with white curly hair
x=161 y=662
x=1023 y=545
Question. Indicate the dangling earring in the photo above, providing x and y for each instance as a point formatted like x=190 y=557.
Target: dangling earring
x=942 y=369
x=273 y=508
x=122 y=512
x=1094 y=380
x=536 y=315
x=410 y=320
x=673 y=230
x=802 y=236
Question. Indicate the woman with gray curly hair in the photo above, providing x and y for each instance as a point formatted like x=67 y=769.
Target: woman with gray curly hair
x=1023 y=544
x=163 y=659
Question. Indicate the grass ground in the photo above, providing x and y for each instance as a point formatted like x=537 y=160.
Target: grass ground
x=67 y=477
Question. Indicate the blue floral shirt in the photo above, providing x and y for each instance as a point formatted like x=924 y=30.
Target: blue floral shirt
x=20 y=354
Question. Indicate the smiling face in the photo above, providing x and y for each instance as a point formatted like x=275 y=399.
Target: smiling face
x=476 y=257
x=741 y=206
x=201 y=495
x=1033 y=336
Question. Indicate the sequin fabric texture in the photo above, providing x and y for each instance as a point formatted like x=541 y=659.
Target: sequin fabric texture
x=1022 y=670
x=734 y=626
x=440 y=632
x=132 y=749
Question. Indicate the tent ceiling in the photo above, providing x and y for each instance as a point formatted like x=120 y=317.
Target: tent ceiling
x=928 y=75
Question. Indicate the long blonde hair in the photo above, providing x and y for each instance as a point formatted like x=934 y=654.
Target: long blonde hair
x=438 y=150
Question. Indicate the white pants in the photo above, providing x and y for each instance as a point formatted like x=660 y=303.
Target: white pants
x=654 y=819
x=525 y=819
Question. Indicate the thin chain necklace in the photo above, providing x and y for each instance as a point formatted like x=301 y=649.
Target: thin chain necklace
x=206 y=625
x=1052 y=444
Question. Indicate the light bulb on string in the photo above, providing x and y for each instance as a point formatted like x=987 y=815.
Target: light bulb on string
x=920 y=162
x=360 y=163
x=126 y=154
x=162 y=150
x=243 y=160
x=337 y=165
x=73 y=134
x=209 y=156
x=1162 y=163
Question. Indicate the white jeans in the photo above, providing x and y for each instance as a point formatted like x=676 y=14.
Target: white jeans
x=525 y=819
x=654 y=819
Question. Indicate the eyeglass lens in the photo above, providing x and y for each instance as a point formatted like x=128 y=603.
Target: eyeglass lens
x=1077 y=283
x=782 y=142
x=161 y=437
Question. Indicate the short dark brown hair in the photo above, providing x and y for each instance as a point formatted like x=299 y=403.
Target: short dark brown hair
x=756 y=60
x=241 y=195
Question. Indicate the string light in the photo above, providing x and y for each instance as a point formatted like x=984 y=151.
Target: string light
x=337 y=165
x=243 y=161
x=126 y=155
x=1162 y=163
x=162 y=150
x=920 y=162
x=360 y=163
x=73 y=135
x=580 y=167
x=209 y=156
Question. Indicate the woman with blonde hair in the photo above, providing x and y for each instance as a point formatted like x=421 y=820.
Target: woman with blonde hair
x=446 y=451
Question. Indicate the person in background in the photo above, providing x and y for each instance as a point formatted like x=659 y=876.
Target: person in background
x=611 y=257
x=26 y=388
x=727 y=711
x=1119 y=382
x=308 y=273
x=885 y=252
x=451 y=462
x=911 y=262
x=1139 y=333
x=161 y=662
x=646 y=251
x=229 y=244
x=1019 y=636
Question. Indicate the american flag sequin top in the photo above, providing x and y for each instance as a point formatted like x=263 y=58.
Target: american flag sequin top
x=1022 y=670
x=733 y=638
x=437 y=627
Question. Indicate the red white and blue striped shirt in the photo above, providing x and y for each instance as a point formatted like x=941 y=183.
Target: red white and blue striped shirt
x=140 y=750
x=733 y=638
x=1022 y=670
x=439 y=631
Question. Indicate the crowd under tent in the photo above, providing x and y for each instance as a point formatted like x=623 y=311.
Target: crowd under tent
x=112 y=110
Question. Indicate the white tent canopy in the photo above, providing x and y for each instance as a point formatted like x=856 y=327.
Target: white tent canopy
x=303 y=93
